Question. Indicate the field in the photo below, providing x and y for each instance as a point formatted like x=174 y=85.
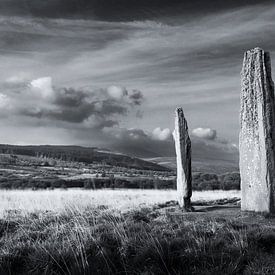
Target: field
x=131 y=232
x=50 y=167
x=58 y=200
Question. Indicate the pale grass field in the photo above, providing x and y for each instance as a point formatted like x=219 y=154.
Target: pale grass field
x=27 y=201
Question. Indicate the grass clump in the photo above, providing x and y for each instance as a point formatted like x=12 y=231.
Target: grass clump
x=99 y=240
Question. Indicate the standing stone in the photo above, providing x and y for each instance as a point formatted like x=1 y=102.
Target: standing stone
x=183 y=152
x=257 y=133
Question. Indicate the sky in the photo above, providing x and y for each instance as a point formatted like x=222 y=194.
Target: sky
x=111 y=73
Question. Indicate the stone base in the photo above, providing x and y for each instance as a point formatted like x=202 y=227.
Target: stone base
x=187 y=206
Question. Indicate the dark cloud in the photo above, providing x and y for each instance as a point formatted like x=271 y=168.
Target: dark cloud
x=119 y=10
x=76 y=106
x=60 y=35
x=136 y=97
x=69 y=97
x=139 y=143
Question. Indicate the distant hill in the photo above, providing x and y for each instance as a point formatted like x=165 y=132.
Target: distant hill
x=207 y=156
x=81 y=154
x=203 y=165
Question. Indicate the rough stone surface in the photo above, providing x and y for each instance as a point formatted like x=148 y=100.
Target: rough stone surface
x=257 y=133
x=183 y=152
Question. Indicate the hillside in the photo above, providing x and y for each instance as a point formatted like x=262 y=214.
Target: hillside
x=207 y=157
x=81 y=154
x=203 y=165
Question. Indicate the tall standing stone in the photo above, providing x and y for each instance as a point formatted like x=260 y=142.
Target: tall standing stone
x=257 y=133
x=183 y=152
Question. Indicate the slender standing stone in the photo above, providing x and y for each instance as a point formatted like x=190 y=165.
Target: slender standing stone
x=257 y=133
x=183 y=152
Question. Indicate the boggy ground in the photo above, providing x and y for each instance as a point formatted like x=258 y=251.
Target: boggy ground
x=217 y=239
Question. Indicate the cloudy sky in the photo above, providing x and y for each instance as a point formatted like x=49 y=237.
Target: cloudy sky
x=110 y=73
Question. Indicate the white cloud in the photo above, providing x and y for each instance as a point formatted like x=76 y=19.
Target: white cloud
x=117 y=92
x=43 y=86
x=17 y=79
x=161 y=134
x=205 y=133
x=4 y=101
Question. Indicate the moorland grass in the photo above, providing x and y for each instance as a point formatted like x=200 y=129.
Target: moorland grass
x=149 y=240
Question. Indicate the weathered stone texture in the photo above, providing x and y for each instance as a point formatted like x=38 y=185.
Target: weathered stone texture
x=257 y=133
x=183 y=152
